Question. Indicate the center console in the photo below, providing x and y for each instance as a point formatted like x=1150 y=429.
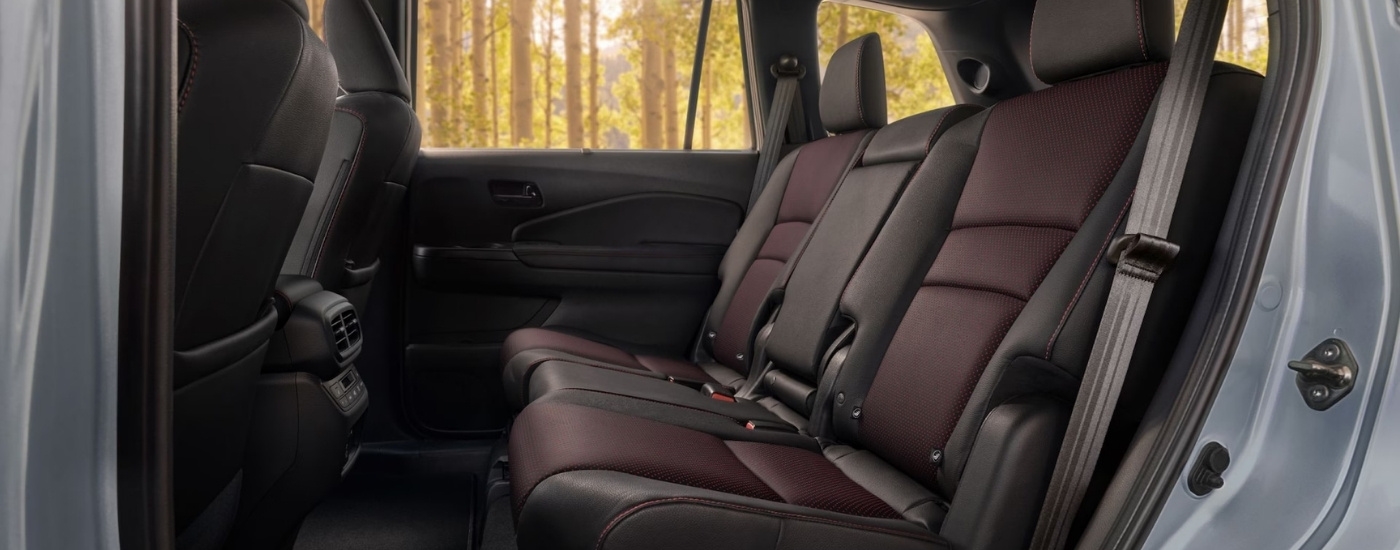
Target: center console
x=310 y=399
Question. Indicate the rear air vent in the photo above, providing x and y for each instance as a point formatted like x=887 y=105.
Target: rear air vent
x=345 y=328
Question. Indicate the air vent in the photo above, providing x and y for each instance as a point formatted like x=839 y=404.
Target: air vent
x=345 y=327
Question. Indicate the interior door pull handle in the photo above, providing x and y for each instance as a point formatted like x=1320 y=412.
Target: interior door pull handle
x=516 y=194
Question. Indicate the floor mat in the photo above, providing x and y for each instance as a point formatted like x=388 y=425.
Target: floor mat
x=377 y=511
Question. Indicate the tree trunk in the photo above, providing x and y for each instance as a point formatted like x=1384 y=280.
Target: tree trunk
x=439 y=110
x=479 y=77
x=522 y=100
x=842 y=25
x=495 y=78
x=670 y=114
x=707 y=106
x=317 y=10
x=573 y=70
x=651 y=80
x=547 y=56
x=593 y=131
x=452 y=74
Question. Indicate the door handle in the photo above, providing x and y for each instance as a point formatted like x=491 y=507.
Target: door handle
x=516 y=194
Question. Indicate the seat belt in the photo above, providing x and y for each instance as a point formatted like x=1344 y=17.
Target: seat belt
x=785 y=120
x=1141 y=255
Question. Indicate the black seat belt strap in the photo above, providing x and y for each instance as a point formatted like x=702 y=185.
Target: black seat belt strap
x=1142 y=254
x=785 y=117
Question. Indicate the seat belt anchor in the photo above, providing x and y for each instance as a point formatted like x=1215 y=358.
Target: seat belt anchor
x=1142 y=256
x=788 y=65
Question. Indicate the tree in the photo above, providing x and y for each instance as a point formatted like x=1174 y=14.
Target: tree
x=317 y=10
x=521 y=73
x=593 y=83
x=652 y=81
x=480 y=95
x=573 y=71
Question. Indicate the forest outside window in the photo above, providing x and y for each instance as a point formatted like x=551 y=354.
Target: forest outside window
x=914 y=79
x=597 y=74
x=1244 y=39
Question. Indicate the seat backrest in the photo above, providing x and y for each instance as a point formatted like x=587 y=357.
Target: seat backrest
x=852 y=107
x=373 y=146
x=257 y=89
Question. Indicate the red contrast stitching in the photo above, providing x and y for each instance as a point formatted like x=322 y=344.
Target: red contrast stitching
x=860 y=88
x=1087 y=275
x=194 y=66
x=326 y=237
x=697 y=409
x=928 y=146
x=738 y=507
x=1142 y=42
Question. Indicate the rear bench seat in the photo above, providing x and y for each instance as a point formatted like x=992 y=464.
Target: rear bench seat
x=971 y=318
x=805 y=293
x=775 y=234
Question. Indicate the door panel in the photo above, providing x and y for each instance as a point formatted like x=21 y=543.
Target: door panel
x=622 y=244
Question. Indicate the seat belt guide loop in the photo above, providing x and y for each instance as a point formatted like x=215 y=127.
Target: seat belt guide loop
x=1142 y=256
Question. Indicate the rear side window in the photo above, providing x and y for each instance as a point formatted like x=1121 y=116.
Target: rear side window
x=1244 y=40
x=914 y=79
x=598 y=74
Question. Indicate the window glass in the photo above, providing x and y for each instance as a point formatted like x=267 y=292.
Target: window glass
x=1244 y=40
x=914 y=79
x=317 y=10
x=601 y=74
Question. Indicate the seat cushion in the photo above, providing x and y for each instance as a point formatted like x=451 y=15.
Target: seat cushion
x=526 y=349
x=553 y=438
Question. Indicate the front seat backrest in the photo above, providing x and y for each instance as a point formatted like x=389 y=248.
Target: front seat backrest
x=373 y=146
x=256 y=93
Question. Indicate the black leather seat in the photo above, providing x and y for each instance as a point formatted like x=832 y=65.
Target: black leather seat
x=373 y=146
x=257 y=89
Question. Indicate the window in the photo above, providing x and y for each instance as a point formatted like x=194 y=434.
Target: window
x=914 y=79
x=317 y=10
x=601 y=74
x=1244 y=40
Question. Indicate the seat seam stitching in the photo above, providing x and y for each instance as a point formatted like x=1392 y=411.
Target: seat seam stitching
x=194 y=66
x=344 y=189
x=1088 y=275
x=602 y=537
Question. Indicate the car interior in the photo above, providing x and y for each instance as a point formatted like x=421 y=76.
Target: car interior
x=863 y=326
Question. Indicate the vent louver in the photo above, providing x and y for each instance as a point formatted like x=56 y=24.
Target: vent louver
x=345 y=327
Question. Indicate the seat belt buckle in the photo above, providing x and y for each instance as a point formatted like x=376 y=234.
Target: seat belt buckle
x=769 y=425
x=1142 y=256
x=717 y=392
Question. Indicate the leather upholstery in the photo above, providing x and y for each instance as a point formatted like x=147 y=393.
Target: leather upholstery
x=1045 y=161
x=373 y=147
x=255 y=100
x=1076 y=38
x=971 y=316
x=853 y=88
x=770 y=239
x=811 y=288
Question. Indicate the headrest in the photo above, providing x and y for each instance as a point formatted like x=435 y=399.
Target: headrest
x=853 y=90
x=363 y=55
x=1074 y=38
x=299 y=6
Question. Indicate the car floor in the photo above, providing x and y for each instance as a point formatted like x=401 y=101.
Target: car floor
x=421 y=495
